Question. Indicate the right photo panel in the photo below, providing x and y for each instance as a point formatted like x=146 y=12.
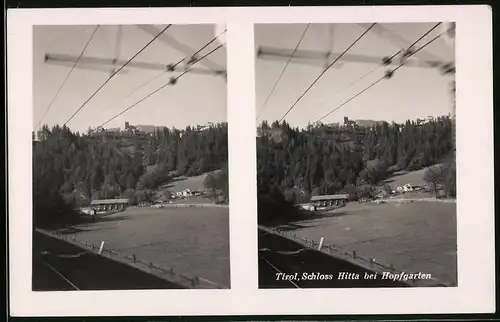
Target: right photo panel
x=356 y=173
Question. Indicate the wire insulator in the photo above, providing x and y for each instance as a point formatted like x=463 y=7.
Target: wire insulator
x=389 y=74
x=191 y=60
x=170 y=68
x=408 y=52
x=172 y=80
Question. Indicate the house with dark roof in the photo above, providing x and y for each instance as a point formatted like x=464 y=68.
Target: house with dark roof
x=109 y=204
x=327 y=201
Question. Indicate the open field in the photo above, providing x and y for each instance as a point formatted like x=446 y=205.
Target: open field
x=414 y=237
x=401 y=178
x=60 y=266
x=182 y=183
x=281 y=255
x=193 y=201
x=192 y=241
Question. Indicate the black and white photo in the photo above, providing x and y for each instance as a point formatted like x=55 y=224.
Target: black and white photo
x=356 y=155
x=130 y=176
x=250 y=161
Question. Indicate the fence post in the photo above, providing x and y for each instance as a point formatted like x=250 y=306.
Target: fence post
x=321 y=243
x=354 y=254
x=134 y=258
x=151 y=264
x=196 y=280
x=100 y=248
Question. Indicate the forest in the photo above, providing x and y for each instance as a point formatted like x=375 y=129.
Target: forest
x=70 y=169
x=294 y=164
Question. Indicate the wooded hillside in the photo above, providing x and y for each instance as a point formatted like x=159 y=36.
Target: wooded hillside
x=69 y=169
x=331 y=159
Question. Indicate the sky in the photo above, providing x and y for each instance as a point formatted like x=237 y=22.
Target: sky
x=195 y=99
x=412 y=92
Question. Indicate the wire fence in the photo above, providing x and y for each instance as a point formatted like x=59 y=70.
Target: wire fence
x=353 y=257
x=188 y=205
x=166 y=273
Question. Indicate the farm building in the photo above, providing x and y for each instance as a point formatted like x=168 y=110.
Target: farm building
x=408 y=187
x=329 y=200
x=109 y=204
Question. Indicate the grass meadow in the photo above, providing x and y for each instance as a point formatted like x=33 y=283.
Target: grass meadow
x=192 y=241
x=414 y=237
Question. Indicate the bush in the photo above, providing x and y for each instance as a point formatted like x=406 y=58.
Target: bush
x=273 y=207
x=51 y=211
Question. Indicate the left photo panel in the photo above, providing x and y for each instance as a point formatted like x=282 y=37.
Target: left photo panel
x=130 y=157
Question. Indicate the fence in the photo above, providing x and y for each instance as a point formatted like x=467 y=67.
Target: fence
x=185 y=205
x=351 y=257
x=168 y=274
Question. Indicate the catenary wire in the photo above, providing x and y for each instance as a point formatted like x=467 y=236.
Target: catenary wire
x=68 y=75
x=116 y=72
x=174 y=79
x=170 y=68
x=282 y=72
x=371 y=71
x=377 y=81
x=326 y=69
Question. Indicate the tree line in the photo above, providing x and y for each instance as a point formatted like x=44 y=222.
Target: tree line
x=70 y=168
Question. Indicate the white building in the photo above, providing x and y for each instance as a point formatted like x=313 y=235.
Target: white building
x=408 y=187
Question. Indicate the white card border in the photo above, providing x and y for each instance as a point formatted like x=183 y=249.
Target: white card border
x=475 y=292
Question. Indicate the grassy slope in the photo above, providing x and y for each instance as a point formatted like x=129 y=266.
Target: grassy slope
x=402 y=178
x=419 y=236
x=87 y=272
x=182 y=183
x=194 y=241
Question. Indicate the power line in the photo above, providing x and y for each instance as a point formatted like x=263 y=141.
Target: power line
x=116 y=72
x=395 y=36
x=379 y=80
x=371 y=71
x=326 y=69
x=172 y=81
x=169 y=68
x=67 y=76
x=283 y=71
x=385 y=62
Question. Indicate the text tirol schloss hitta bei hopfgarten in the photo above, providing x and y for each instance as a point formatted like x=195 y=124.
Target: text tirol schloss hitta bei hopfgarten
x=353 y=276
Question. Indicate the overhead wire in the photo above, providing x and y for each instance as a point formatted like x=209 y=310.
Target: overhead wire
x=372 y=70
x=326 y=69
x=282 y=72
x=169 y=68
x=378 y=80
x=67 y=76
x=172 y=81
x=116 y=72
